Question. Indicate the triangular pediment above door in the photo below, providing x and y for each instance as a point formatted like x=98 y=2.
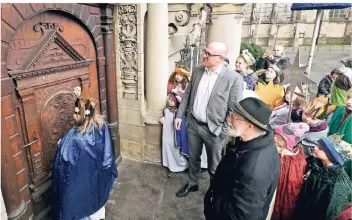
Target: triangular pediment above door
x=52 y=51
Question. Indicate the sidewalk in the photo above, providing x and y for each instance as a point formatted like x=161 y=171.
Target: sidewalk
x=143 y=191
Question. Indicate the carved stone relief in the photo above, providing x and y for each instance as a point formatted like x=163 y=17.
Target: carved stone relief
x=128 y=49
x=182 y=18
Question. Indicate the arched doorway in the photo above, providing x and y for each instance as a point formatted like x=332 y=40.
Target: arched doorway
x=47 y=50
x=48 y=56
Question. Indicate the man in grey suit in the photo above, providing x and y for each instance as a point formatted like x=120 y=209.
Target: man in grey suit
x=212 y=88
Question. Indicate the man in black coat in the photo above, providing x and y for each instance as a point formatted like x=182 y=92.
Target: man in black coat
x=246 y=178
x=325 y=84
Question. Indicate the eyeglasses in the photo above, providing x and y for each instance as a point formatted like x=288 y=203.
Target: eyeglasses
x=207 y=54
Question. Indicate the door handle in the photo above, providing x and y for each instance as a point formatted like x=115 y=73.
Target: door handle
x=30 y=143
x=35 y=141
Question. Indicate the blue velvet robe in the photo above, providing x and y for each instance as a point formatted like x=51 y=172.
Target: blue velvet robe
x=181 y=136
x=84 y=172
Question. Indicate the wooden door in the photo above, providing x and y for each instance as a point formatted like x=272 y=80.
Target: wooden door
x=49 y=55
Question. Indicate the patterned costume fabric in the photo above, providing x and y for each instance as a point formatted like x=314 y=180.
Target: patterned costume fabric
x=326 y=192
x=84 y=172
x=292 y=169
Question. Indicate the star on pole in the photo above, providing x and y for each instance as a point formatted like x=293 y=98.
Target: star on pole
x=294 y=75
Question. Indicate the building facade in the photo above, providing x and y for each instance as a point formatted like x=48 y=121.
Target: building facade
x=267 y=24
x=144 y=51
x=120 y=54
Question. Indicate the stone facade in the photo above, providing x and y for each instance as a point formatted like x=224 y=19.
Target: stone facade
x=297 y=28
x=145 y=57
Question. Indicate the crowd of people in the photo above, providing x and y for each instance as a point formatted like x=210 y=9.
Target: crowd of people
x=270 y=154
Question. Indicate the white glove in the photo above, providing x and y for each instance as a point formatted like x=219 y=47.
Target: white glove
x=174 y=91
x=179 y=99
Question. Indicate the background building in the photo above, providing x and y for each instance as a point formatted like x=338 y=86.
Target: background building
x=266 y=23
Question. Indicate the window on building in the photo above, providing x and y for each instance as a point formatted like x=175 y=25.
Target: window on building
x=283 y=12
x=247 y=11
x=266 y=11
x=337 y=13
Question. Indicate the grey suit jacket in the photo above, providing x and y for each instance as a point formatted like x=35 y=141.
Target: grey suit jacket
x=228 y=88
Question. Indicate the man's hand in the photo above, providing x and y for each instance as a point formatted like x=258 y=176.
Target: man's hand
x=178 y=123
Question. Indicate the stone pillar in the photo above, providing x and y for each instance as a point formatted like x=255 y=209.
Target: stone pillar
x=156 y=78
x=157 y=59
x=226 y=26
x=110 y=77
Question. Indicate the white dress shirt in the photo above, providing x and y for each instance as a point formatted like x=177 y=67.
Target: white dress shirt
x=204 y=90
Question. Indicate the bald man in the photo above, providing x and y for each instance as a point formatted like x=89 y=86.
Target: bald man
x=212 y=88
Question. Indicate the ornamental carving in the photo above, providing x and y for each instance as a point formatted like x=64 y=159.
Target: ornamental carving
x=182 y=18
x=107 y=28
x=51 y=51
x=47 y=26
x=56 y=118
x=128 y=49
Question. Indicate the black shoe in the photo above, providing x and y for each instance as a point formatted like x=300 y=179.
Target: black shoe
x=183 y=192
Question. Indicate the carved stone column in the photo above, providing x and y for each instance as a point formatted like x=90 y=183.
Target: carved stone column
x=226 y=26
x=157 y=59
x=110 y=76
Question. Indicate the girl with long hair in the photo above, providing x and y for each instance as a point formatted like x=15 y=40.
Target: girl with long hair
x=84 y=169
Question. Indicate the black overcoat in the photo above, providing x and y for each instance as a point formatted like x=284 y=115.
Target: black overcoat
x=245 y=181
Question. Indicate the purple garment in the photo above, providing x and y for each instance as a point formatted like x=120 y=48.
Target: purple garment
x=296 y=115
x=249 y=79
x=319 y=127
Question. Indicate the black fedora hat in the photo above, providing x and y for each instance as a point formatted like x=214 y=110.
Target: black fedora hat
x=254 y=110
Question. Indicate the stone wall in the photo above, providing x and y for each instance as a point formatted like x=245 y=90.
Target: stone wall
x=140 y=134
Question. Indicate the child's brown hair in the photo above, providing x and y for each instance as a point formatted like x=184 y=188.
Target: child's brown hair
x=86 y=115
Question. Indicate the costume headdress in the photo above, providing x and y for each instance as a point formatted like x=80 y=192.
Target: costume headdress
x=179 y=71
x=292 y=133
x=336 y=149
x=248 y=57
x=319 y=107
x=341 y=146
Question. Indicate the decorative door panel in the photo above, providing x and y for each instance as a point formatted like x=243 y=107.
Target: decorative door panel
x=49 y=55
x=56 y=110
